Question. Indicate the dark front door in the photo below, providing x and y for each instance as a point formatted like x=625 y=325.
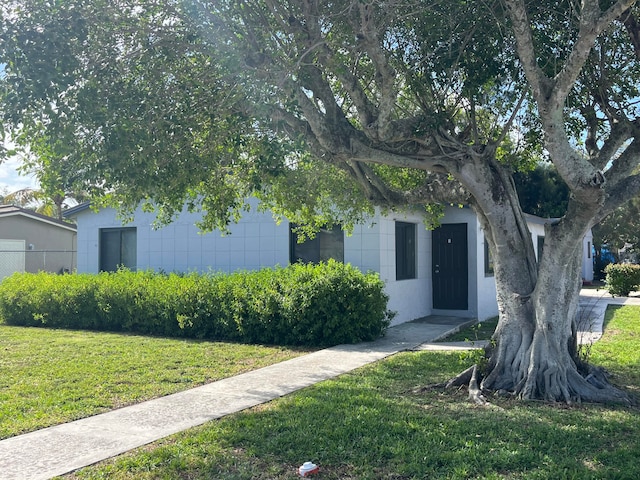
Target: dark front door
x=450 y=267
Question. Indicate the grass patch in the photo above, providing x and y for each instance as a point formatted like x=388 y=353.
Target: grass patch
x=54 y=376
x=474 y=333
x=369 y=424
x=619 y=348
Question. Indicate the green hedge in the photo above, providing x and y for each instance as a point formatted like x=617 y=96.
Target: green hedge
x=326 y=304
x=622 y=278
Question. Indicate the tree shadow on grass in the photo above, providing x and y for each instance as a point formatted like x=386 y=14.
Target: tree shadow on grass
x=368 y=425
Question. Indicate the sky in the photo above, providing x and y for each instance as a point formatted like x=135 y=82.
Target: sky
x=11 y=180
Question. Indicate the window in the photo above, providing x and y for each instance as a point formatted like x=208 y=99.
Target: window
x=540 y=247
x=488 y=260
x=588 y=249
x=405 y=250
x=117 y=249
x=328 y=243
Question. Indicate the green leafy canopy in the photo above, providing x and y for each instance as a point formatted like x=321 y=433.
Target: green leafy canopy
x=156 y=101
x=321 y=110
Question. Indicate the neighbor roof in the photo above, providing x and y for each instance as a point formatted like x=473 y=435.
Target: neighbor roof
x=13 y=210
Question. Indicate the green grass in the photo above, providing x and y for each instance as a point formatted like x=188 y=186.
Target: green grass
x=474 y=333
x=619 y=349
x=54 y=376
x=371 y=424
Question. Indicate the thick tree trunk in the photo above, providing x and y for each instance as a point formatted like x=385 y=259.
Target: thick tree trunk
x=534 y=355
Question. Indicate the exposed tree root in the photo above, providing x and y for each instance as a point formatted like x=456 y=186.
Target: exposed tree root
x=541 y=367
x=468 y=378
x=475 y=394
x=575 y=388
x=462 y=378
x=593 y=388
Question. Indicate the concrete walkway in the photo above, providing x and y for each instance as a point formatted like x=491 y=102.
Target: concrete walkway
x=63 y=448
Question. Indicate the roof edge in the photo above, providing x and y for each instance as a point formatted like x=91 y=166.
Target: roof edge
x=70 y=212
x=10 y=210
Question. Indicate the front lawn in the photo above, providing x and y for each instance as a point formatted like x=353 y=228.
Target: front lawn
x=474 y=333
x=54 y=376
x=370 y=424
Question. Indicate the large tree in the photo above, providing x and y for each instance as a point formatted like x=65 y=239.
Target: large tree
x=325 y=109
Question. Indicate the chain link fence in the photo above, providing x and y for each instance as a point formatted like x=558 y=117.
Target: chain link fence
x=55 y=261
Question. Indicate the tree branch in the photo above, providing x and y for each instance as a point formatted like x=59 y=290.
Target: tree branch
x=621 y=132
x=375 y=190
x=630 y=22
x=550 y=95
x=592 y=23
x=507 y=126
x=363 y=153
x=540 y=84
x=324 y=135
x=625 y=189
x=299 y=127
x=386 y=75
x=623 y=165
x=439 y=188
x=365 y=109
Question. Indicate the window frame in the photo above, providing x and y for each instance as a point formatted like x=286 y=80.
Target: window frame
x=319 y=249
x=406 y=239
x=131 y=262
x=488 y=260
x=540 y=247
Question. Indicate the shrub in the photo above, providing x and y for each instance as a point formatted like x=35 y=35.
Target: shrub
x=47 y=299
x=331 y=303
x=622 y=278
x=324 y=304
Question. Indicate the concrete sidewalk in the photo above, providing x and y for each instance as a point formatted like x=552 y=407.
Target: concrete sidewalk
x=63 y=448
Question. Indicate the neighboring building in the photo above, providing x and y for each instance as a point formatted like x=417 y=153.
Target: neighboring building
x=587 y=258
x=446 y=271
x=30 y=242
x=536 y=227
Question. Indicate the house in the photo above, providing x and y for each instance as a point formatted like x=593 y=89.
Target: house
x=446 y=271
x=536 y=227
x=30 y=242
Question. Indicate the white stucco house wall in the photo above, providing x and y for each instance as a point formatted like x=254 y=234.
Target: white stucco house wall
x=440 y=272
